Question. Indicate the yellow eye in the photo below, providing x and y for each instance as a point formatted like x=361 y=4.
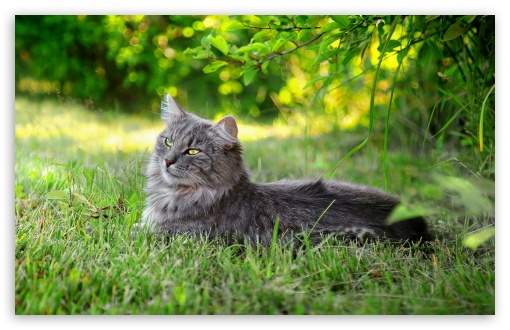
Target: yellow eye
x=168 y=142
x=192 y=151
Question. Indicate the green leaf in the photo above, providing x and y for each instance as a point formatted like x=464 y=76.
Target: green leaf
x=202 y=55
x=192 y=51
x=249 y=75
x=236 y=57
x=235 y=25
x=402 y=212
x=469 y=194
x=348 y=57
x=330 y=27
x=220 y=43
x=305 y=35
x=326 y=42
x=58 y=194
x=206 y=42
x=474 y=240
x=402 y=54
x=214 y=66
x=469 y=18
x=257 y=46
x=455 y=30
x=431 y=17
x=280 y=42
x=314 y=80
x=260 y=35
x=302 y=19
x=264 y=66
x=326 y=55
x=391 y=45
x=342 y=20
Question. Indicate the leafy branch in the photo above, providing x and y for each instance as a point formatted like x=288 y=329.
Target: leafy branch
x=265 y=45
x=271 y=56
x=290 y=28
x=226 y=60
x=275 y=54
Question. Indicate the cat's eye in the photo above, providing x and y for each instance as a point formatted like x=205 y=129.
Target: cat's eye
x=192 y=151
x=168 y=142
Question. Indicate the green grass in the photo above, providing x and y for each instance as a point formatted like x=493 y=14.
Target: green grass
x=79 y=192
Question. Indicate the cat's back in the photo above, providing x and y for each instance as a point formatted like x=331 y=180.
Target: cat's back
x=333 y=201
x=338 y=207
x=319 y=189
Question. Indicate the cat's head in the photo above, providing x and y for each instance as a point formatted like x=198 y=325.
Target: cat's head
x=195 y=152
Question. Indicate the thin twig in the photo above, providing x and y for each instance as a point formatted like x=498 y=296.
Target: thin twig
x=290 y=50
x=228 y=60
x=294 y=27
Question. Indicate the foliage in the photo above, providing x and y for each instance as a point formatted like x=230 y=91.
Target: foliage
x=93 y=56
x=121 y=62
x=430 y=78
x=460 y=50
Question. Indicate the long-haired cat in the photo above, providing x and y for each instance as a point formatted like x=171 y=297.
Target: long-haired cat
x=199 y=184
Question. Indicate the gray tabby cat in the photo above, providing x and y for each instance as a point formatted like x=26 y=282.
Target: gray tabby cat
x=199 y=184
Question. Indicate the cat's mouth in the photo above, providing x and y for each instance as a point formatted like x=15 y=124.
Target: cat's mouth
x=179 y=178
x=171 y=177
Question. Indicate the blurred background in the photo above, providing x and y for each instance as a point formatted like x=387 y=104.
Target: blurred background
x=422 y=83
x=125 y=63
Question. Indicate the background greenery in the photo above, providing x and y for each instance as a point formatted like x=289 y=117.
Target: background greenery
x=404 y=103
x=428 y=78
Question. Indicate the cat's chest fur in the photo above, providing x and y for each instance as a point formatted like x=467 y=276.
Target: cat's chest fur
x=180 y=209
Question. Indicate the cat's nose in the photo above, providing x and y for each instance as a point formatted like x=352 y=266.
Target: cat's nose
x=168 y=162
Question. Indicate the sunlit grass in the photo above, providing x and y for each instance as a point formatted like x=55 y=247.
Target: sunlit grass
x=68 y=127
x=71 y=127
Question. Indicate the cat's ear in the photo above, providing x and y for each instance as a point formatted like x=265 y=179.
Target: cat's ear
x=170 y=109
x=228 y=127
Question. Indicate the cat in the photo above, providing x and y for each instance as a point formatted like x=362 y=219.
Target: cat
x=197 y=183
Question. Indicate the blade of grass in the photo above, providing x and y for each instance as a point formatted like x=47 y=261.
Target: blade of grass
x=480 y=127
x=269 y=272
x=430 y=121
x=353 y=150
x=322 y=214
x=451 y=120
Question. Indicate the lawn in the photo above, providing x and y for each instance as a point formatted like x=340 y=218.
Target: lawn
x=79 y=177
